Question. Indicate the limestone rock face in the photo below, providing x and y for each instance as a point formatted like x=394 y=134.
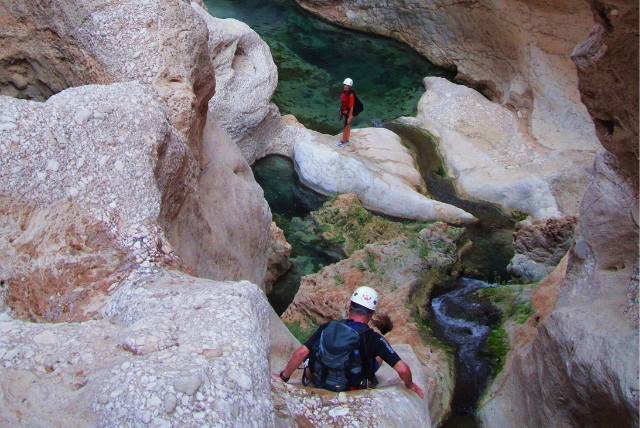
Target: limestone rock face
x=146 y=362
x=222 y=228
x=587 y=349
x=517 y=52
x=277 y=258
x=162 y=45
x=540 y=245
x=493 y=158
x=92 y=182
x=88 y=145
x=377 y=168
x=246 y=78
x=389 y=404
x=396 y=271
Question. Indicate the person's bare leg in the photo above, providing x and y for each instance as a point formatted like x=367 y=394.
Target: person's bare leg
x=346 y=132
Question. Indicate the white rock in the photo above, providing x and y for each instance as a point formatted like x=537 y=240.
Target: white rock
x=339 y=411
x=53 y=165
x=241 y=379
x=46 y=338
x=82 y=116
x=8 y=126
x=170 y=401
x=188 y=384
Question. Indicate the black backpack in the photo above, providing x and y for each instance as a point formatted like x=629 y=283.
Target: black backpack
x=337 y=363
x=358 y=107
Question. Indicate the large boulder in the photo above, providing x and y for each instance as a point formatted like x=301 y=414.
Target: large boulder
x=246 y=78
x=377 y=168
x=539 y=246
x=145 y=362
x=97 y=185
x=163 y=46
x=492 y=156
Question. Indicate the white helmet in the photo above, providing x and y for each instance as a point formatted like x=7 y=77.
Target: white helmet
x=348 y=82
x=365 y=296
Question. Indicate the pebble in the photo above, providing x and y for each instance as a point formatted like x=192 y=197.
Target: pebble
x=11 y=354
x=338 y=411
x=241 y=379
x=170 y=401
x=45 y=338
x=53 y=165
x=342 y=397
x=82 y=116
x=188 y=384
x=8 y=126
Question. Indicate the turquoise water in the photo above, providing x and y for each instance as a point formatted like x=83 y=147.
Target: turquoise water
x=314 y=57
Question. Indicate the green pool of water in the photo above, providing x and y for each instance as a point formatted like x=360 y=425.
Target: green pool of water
x=314 y=57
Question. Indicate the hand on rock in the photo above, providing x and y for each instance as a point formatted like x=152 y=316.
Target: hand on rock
x=415 y=388
x=276 y=376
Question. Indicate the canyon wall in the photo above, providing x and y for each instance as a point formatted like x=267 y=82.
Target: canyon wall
x=530 y=146
x=516 y=52
x=586 y=351
x=116 y=188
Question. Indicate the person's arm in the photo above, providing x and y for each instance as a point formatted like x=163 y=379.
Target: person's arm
x=405 y=374
x=389 y=356
x=296 y=359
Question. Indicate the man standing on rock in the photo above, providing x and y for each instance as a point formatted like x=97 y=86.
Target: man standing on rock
x=371 y=347
x=347 y=98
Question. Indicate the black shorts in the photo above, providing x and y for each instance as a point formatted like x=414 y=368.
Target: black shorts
x=344 y=118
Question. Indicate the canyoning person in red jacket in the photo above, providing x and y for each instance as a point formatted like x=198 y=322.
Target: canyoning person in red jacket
x=347 y=98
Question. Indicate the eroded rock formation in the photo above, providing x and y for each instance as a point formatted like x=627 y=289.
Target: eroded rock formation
x=516 y=52
x=377 y=168
x=587 y=349
x=539 y=246
x=493 y=158
x=96 y=183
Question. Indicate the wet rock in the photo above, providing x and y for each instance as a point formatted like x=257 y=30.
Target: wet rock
x=540 y=245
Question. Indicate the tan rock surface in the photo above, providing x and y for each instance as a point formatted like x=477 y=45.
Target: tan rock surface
x=494 y=158
x=586 y=351
x=397 y=272
x=277 y=258
x=539 y=246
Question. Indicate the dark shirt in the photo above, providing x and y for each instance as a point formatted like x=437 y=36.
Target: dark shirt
x=372 y=345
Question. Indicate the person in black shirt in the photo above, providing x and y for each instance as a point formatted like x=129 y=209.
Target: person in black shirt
x=373 y=347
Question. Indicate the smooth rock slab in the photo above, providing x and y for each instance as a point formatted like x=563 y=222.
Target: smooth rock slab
x=377 y=168
x=492 y=158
